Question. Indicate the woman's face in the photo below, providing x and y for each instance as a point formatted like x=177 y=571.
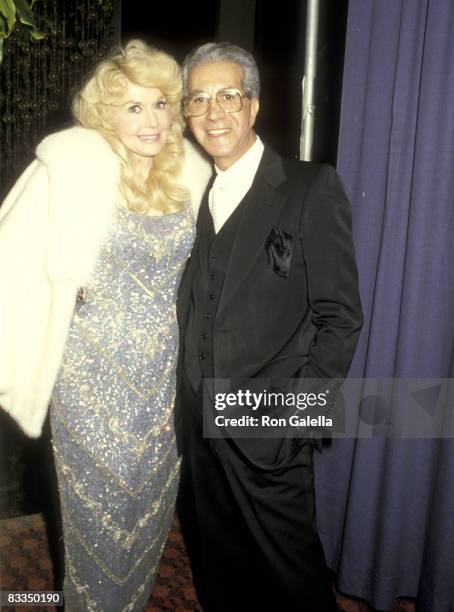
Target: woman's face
x=142 y=122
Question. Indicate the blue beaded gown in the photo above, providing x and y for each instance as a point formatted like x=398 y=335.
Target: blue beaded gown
x=112 y=414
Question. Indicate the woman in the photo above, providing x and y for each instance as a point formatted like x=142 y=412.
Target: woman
x=93 y=239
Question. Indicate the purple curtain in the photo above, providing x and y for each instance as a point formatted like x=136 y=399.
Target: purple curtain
x=386 y=507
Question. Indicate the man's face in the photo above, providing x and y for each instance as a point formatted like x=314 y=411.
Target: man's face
x=224 y=136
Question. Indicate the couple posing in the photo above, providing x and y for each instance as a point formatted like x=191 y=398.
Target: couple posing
x=93 y=241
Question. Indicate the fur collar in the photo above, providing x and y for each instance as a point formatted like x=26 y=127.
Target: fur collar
x=83 y=174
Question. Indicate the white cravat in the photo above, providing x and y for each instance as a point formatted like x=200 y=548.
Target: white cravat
x=230 y=186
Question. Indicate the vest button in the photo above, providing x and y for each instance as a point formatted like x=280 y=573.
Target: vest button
x=213 y=277
x=204 y=335
x=207 y=315
x=211 y=296
x=203 y=355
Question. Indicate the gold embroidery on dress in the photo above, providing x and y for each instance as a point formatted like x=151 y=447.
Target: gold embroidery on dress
x=114 y=446
x=120 y=484
x=124 y=537
x=149 y=292
x=120 y=580
x=170 y=366
x=91 y=605
x=114 y=424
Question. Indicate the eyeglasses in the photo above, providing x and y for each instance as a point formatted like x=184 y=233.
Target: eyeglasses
x=228 y=100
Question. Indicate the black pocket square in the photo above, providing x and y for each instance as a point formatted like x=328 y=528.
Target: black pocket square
x=279 y=248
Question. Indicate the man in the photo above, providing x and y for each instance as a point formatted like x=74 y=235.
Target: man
x=270 y=290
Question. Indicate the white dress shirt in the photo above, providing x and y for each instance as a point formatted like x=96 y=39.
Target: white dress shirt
x=231 y=185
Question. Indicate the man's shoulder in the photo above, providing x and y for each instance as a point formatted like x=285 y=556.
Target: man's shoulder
x=296 y=170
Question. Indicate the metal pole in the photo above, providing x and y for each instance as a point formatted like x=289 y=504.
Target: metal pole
x=308 y=84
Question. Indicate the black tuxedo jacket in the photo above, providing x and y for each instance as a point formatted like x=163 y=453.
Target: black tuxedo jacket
x=290 y=302
x=289 y=305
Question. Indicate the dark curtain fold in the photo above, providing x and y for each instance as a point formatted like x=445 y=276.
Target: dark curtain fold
x=385 y=507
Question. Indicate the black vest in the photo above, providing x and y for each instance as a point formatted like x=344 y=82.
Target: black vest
x=211 y=254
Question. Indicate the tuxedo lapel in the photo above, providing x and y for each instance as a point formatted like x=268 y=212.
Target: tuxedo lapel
x=262 y=208
x=184 y=294
x=204 y=220
x=202 y=229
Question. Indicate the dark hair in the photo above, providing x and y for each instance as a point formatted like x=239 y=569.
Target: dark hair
x=224 y=52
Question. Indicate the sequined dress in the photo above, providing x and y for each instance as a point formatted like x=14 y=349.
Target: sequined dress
x=111 y=414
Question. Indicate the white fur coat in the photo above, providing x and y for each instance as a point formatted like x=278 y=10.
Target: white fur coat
x=52 y=225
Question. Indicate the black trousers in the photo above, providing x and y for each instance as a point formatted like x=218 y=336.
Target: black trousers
x=250 y=532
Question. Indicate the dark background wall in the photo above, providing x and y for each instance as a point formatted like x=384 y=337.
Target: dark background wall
x=275 y=34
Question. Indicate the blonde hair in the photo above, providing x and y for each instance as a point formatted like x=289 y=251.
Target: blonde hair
x=147 y=67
